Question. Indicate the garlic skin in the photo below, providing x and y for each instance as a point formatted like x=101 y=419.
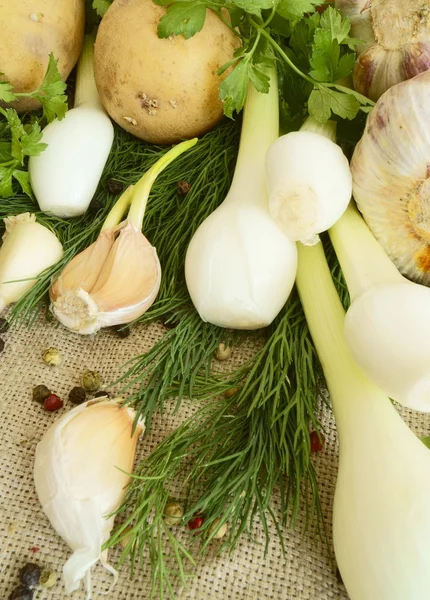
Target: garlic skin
x=79 y=478
x=28 y=249
x=390 y=172
x=112 y=282
x=310 y=184
x=396 y=35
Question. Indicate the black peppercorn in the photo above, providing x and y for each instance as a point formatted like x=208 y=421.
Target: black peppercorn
x=1 y=345
x=338 y=575
x=114 y=186
x=183 y=187
x=21 y=593
x=169 y=320
x=77 y=395
x=40 y=393
x=95 y=206
x=101 y=394
x=30 y=574
x=4 y=325
x=122 y=331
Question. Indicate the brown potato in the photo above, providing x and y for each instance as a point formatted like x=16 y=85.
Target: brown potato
x=30 y=30
x=160 y=90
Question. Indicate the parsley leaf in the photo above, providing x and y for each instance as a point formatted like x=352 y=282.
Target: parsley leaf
x=6 y=189
x=255 y=6
x=6 y=94
x=323 y=101
x=101 y=6
x=51 y=92
x=332 y=21
x=23 y=178
x=234 y=88
x=182 y=18
x=295 y=9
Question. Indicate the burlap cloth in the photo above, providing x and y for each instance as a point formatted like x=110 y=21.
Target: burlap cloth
x=307 y=572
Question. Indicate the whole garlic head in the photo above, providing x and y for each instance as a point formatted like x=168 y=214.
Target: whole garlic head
x=396 y=36
x=391 y=176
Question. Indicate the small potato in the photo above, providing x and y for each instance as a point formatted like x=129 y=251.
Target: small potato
x=160 y=90
x=30 y=31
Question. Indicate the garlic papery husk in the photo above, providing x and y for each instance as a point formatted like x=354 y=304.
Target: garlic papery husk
x=387 y=327
x=396 y=36
x=391 y=176
x=28 y=249
x=240 y=266
x=81 y=470
x=310 y=181
x=118 y=277
x=381 y=513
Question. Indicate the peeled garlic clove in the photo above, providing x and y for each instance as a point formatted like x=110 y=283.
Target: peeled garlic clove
x=127 y=283
x=309 y=184
x=82 y=271
x=28 y=249
x=390 y=171
x=397 y=41
x=81 y=472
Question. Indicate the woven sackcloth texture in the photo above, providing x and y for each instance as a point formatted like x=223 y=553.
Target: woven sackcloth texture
x=307 y=572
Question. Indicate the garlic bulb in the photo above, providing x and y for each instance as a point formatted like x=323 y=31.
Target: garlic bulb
x=390 y=171
x=309 y=181
x=28 y=249
x=396 y=36
x=80 y=472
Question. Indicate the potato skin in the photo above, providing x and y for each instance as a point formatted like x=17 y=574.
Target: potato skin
x=160 y=90
x=31 y=29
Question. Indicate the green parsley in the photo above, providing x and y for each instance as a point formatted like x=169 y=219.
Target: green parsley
x=317 y=49
x=20 y=140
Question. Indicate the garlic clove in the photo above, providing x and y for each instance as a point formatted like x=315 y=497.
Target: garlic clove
x=81 y=472
x=127 y=283
x=28 y=249
x=130 y=276
x=83 y=270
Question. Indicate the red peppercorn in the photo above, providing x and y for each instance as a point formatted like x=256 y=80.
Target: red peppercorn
x=196 y=523
x=35 y=549
x=52 y=403
x=317 y=442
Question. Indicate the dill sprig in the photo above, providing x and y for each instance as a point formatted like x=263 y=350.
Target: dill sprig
x=232 y=454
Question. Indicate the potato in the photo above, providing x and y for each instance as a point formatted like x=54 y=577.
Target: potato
x=160 y=90
x=30 y=30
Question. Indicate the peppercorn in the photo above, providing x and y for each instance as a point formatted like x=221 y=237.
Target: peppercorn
x=196 y=523
x=220 y=530
x=183 y=187
x=52 y=403
x=52 y=357
x=40 y=393
x=77 y=395
x=122 y=331
x=96 y=205
x=48 y=578
x=223 y=352
x=101 y=394
x=173 y=513
x=21 y=593
x=231 y=392
x=317 y=441
x=30 y=574
x=169 y=321
x=338 y=575
x=91 y=381
x=4 y=325
x=1 y=345
x=114 y=186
